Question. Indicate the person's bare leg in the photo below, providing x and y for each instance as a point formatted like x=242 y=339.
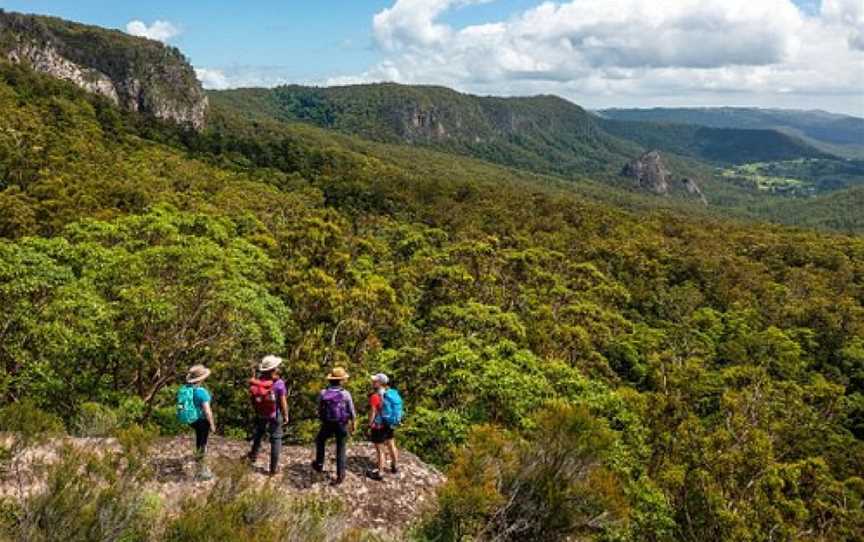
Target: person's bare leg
x=393 y=453
x=379 y=448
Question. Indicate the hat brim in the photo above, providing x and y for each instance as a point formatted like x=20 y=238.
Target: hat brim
x=335 y=377
x=264 y=369
x=199 y=378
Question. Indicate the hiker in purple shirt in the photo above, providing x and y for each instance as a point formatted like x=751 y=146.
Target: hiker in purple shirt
x=269 y=399
x=337 y=415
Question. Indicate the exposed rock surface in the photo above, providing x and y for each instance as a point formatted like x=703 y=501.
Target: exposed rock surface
x=136 y=74
x=649 y=172
x=693 y=189
x=409 y=493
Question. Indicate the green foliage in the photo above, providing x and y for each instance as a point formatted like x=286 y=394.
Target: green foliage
x=90 y=495
x=237 y=510
x=716 y=365
x=836 y=134
x=716 y=145
x=552 y=486
x=29 y=423
x=94 y=420
x=542 y=133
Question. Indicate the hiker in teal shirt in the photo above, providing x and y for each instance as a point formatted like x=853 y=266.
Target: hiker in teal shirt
x=201 y=419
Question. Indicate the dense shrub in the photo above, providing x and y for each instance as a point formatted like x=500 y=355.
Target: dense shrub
x=552 y=486
x=94 y=420
x=89 y=495
x=236 y=510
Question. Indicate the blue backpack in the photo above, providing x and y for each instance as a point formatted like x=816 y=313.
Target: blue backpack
x=391 y=408
x=187 y=412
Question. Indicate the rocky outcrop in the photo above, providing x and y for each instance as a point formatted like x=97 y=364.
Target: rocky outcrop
x=47 y=60
x=649 y=172
x=136 y=74
x=409 y=493
x=693 y=189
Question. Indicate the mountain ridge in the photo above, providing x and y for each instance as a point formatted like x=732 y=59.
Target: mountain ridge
x=134 y=73
x=543 y=133
x=831 y=132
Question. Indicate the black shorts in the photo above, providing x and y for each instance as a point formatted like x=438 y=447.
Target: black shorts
x=380 y=435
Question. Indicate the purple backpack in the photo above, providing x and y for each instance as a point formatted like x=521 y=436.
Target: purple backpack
x=334 y=407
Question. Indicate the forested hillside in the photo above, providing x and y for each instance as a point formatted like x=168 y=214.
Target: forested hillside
x=837 y=134
x=580 y=368
x=551 y=137
x=716 y=145
x=543 y=133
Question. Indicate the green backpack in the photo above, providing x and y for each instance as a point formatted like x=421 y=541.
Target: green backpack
x=187 y=412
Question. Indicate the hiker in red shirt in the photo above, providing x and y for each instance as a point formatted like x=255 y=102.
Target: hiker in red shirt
x=385 y=413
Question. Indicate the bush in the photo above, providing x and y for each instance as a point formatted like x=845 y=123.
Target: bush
x=165 y=420
x=236 y=510
x=95 y=420
x=87 y=496
x=551 y=487
x=29 y=422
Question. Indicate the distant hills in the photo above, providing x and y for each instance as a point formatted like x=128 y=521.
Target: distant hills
x=841 y=135
x=716 y=145
x=740 y=161
x=542 y=133
x=545 y=134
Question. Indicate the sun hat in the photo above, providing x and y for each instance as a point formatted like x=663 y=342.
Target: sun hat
x=381 y=378
x=196 y=374
x=269 y=363
x=338 y=373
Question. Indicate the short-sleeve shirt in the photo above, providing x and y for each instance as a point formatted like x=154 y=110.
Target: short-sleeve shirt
x=279 y=391
x=199 y=397
x=375 y=403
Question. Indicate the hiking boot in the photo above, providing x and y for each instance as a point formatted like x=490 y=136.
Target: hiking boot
x=374 y=474
x=317 y=468
x=394 y=469
x=204 y=475
x=337 y=481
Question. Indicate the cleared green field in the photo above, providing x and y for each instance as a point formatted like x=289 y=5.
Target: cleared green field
x=801 y=177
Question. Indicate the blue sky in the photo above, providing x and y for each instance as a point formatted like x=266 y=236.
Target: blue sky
x=708 y=52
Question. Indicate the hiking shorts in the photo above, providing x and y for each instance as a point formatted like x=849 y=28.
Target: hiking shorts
x=382 y=434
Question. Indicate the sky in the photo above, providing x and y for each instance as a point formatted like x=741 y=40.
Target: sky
x=803 y=54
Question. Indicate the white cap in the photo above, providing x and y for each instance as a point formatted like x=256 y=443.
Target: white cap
x=381 y=378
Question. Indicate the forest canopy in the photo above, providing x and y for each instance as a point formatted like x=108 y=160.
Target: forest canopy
x=703 y=377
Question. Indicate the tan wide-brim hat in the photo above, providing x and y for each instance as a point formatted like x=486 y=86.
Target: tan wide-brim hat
x=269 y=363
x=196 y=374
x=338 y=373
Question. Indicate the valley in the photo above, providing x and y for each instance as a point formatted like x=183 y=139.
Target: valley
x=615 y=326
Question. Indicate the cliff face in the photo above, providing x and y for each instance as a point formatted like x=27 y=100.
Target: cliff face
x=544 y=134
x=649 y=172
x=136 y=74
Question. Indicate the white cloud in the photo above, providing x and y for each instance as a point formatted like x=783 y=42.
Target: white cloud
x=601 y=52
x=160 y=30
x=212 y=79
x=848 y=14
